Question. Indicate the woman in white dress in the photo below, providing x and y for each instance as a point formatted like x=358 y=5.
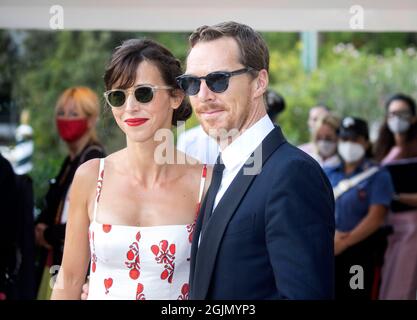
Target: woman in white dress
x=132 y=214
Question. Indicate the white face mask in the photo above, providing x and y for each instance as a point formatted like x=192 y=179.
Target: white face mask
x=351 y=151
x=326 y=148
x=398 y=125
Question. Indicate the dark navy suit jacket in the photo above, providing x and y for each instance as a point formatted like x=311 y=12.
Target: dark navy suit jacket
x=271 y=236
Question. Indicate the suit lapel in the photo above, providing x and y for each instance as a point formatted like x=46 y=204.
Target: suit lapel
x=203 y=259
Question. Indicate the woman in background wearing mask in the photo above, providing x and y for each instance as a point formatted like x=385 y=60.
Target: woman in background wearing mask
x=397 y=144
x=325 y=141
x=76 y=114
x=363 y=194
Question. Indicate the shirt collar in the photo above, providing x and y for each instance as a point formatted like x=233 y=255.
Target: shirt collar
x=240 y=149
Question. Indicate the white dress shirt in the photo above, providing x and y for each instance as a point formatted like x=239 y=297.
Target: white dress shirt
x=198 y=144
x=236 y=154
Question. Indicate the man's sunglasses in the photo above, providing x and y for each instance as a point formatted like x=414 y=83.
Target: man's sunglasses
x=217 y=81
x=143 y=93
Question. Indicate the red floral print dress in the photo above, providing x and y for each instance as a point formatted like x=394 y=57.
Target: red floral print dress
x=139 y=263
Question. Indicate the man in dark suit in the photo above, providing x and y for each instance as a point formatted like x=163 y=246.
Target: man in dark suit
x=266 y=226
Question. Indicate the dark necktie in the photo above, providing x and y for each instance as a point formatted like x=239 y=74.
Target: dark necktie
x=213 y=189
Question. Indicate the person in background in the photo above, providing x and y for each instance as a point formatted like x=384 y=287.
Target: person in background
x=76 y=115
x=325 y=136
x=9 y=232
x=199 y=145
x=275 y=104
x=18 y=221
x=314 y=114
x=20 y=156
x=397 y=142
x=363 y=194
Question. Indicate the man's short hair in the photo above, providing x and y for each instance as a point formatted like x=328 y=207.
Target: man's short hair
x=254 y=52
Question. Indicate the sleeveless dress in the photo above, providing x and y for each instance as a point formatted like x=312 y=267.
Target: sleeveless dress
x=139 y=263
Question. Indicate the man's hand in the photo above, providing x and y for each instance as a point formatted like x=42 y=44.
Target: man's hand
x=340 y=242
x=84 y=293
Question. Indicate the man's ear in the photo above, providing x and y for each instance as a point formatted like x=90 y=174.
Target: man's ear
x=177 y=96
x=262 y=82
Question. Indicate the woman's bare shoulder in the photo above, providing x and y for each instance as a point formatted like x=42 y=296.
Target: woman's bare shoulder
x=115 y=158
x=88 y=171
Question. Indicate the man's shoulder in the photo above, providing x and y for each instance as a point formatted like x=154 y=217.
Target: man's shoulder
x=289 y=161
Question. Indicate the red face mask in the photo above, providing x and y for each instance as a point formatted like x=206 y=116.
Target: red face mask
x=72 y=130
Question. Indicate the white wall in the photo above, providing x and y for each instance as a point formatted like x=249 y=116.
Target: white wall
x=186 y=15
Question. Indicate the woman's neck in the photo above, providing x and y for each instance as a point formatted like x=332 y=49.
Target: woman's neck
x=400 y=139
x=77 y=146
x=351 y=167
x=325 y=158
x=147 y=161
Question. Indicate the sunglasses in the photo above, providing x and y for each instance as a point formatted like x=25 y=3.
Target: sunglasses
x=143 y=93
x=217 y=81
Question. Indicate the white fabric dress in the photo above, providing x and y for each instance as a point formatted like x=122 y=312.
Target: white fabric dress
x=139 y=263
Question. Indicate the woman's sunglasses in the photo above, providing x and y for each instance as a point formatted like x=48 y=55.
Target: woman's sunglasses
x=217 y=81
x=143 y=93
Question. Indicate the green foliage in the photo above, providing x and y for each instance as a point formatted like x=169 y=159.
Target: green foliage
x=369 y=42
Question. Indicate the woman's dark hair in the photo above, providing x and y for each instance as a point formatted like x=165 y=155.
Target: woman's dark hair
x=386 y=138
x=126 y=58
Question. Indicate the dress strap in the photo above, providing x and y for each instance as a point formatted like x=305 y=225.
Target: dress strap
x=202 y=184
x=98 y=188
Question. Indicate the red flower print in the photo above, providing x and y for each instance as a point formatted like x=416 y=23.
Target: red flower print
x=190 y=230
x=139 y=292
x=99 y=185
x=94 y=264
x=107 y=284
x=133 y=259
x=93 y=254
x=165 y=255
x=184 y=292
x=106 y=228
